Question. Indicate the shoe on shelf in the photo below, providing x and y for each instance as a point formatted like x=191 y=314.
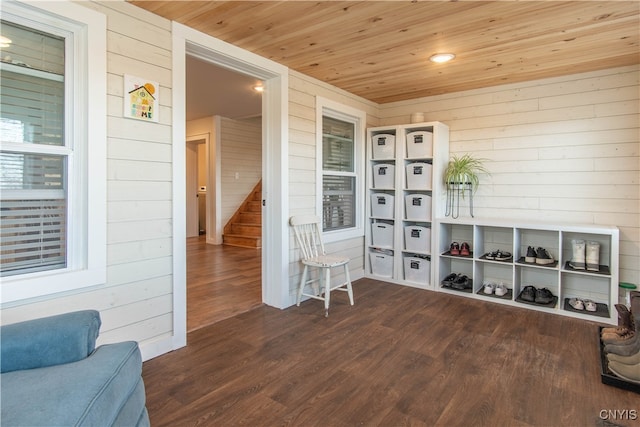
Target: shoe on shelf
x=543 y=296
x=446 y=282
x=593 y=256
x=454 y=249
x=503 y=256
x=577 y=260
x=461 y=282
x=576 y=303
x=590 y=305
x=491 y=255
x=531 y=255
x=501 y=289
x=465 y=250
x=543 y=257
x=528 y=294
x=488 y=288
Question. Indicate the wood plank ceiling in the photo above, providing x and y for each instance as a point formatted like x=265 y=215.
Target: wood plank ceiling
x=380 y=49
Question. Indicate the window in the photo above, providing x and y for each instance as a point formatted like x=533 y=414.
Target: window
x=51 y=208
x=340 y=160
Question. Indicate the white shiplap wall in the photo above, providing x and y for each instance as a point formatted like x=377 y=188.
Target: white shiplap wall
x=302 y=164
x=136 y=301
x=563 y=150
x=241 y=153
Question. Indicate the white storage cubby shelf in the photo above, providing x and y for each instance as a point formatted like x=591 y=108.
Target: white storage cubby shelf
x=405 y=164
x=485 y=236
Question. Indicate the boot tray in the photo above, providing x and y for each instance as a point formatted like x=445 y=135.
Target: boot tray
x=603 y=269
x=608 y=377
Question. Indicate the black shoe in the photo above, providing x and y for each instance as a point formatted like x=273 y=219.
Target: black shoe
x=543 y=257
x=528 y=294
x=461 y=282
x=531 y=255
x=502 y=256
x=543 y=296
x=446 y=282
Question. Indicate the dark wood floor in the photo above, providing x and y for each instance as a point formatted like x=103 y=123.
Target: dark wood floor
x=222 y=281
x=400 y=356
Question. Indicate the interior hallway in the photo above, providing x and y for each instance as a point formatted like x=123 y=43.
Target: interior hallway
x=222 y=281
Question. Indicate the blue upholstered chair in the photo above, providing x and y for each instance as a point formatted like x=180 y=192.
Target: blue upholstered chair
x=52 y=375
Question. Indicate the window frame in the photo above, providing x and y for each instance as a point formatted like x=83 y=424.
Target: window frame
x=336 y=110
x=85 y=109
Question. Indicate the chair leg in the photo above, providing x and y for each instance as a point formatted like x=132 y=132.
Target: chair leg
x=327 y=291
x=348 y=279
x=303 y=281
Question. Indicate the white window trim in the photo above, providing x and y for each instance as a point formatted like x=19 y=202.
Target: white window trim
x=86 y=112
x=341 y=111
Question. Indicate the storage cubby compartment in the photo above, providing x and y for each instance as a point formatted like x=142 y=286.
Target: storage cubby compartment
x=549 y=240
x=495 y=274
x=417 y=238
x=419 y=176
x=458 y=266
x=383 y=146
x=384 y=176
x=419 y=144
x=586 y=287
x=604 y=251
x=382 y=234
x=459 y=233
x=381 y=262
x=491 y=239
x=382 y=205
x=539 y=278
x=417 y=269
x=418 y=207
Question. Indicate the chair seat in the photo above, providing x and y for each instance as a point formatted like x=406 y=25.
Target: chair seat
x=326 y=261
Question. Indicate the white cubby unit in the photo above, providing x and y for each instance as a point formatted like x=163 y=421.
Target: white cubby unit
x=405 y=164
x=559 y=277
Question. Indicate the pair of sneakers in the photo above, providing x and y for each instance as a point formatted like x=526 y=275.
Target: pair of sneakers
x=539 y=256
x=582 y=304
x=499 y=290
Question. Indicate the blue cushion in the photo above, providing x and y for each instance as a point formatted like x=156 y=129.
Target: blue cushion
x=49 y=341
x=103 y=389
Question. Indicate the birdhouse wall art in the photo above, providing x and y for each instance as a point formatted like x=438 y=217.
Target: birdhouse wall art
x=141 y=99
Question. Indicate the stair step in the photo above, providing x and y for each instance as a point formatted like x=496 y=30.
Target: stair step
x=242 y=241
x=250 y=218
x=252 y=230
x=253 y=206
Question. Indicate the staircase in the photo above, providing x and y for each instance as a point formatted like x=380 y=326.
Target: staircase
x=244 y=229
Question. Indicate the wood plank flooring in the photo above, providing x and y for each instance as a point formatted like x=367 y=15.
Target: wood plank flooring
x=400 y=356
x=222 y=281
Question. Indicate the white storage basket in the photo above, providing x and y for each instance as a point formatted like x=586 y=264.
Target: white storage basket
x=383 y=146
x=381 y=263
x=384 y=176
x=382 y=234
x=418 y=207
x=417 y=270
x=419 y=144
x=382 y=205
x=419 y=176
x=417 y=238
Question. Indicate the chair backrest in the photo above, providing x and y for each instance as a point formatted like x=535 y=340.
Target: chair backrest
x=308 y=235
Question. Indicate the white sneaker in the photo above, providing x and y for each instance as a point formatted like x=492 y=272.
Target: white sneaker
x=488 y=288
x=501 y=290
x=593 y=256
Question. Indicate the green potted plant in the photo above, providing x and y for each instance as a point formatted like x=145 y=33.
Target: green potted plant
x=463 y=172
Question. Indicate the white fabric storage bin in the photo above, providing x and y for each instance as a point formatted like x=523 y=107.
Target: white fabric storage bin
x=419 y=176
x=384 y=146
x=419 y=144
x=417 y=238
x=382 y=234
x=384 y=176
x=382 y=205
x=417 y=270
x=418 y=207
x=381 y=263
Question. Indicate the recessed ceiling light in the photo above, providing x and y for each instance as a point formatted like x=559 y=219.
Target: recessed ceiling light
x=258 y=88
x=441 y=57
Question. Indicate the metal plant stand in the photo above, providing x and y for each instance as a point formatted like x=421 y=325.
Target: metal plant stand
x=453 y=198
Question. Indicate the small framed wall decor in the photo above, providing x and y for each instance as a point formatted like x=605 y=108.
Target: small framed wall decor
x=141 y=99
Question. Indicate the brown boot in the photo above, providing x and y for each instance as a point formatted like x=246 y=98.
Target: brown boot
x=625 y=325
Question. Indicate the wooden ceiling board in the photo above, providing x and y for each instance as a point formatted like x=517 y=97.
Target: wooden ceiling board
x=379 y=49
